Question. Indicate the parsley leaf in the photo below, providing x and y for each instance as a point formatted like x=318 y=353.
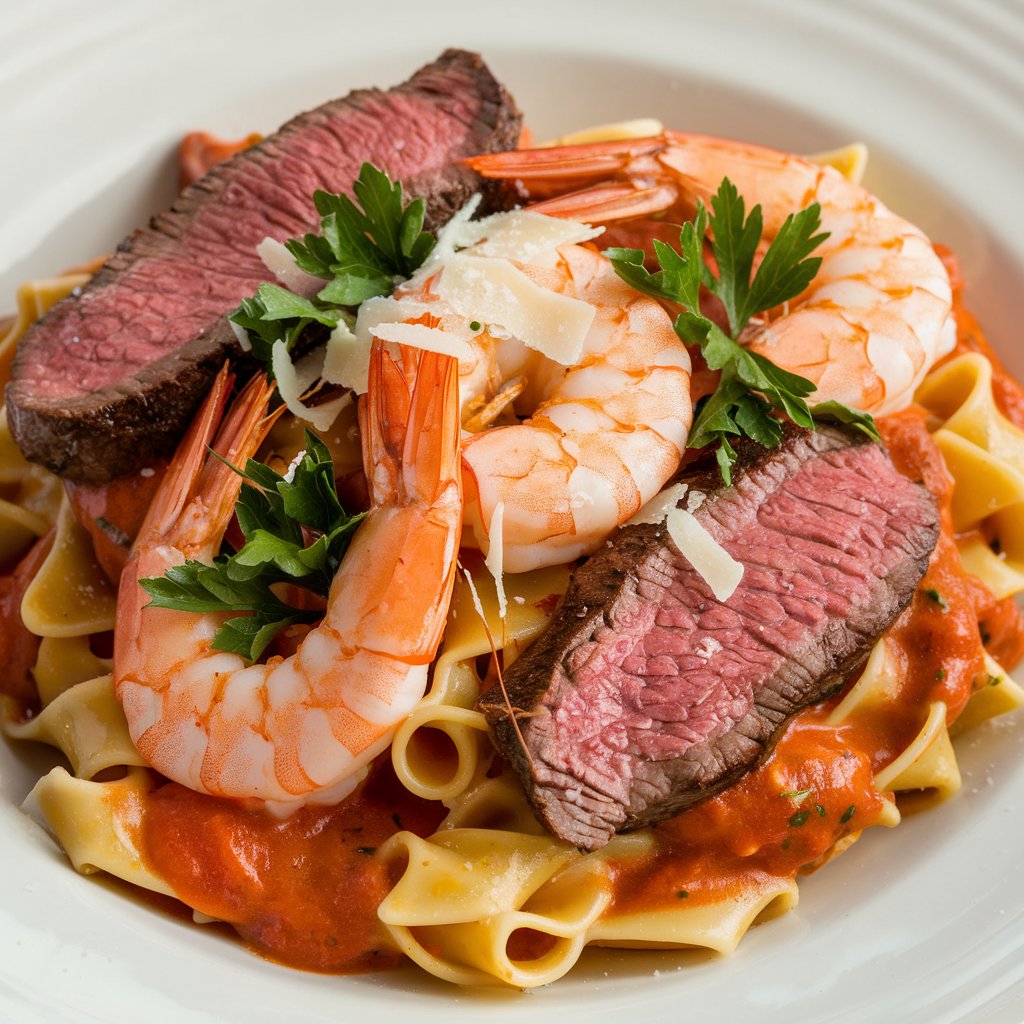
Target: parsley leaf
x=751 y=388
x=296 y=532
x=362 y=251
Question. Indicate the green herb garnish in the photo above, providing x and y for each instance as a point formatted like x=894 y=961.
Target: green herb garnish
x=798 y=819
x=683 y=894
x=362 y=251
x=751 y=388
x=296 y=532
x=848 y=814
x=936 y=598
x=799 y=795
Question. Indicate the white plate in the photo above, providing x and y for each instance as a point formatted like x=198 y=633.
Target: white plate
x=922 y=924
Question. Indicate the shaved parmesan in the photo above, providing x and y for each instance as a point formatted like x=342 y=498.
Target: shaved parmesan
x=477 y=603
x=656 y=510
x=524 y=236
x=347 y=359
x=241 y=336
x=459 y=233
x=281 y=263
x=493 y=291
x=496 y=555
x=720 y=570
x=293 y=380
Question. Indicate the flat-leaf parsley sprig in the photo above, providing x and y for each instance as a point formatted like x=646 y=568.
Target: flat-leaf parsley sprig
x=751 y=387
x=362 y=251
x=296 y=532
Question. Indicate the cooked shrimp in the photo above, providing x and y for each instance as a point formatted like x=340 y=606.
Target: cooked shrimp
x=300 y=729
x=600 y=437
x=875 y=318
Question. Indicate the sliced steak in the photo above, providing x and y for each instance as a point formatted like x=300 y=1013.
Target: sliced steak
x=647 y=694
x=108 y=380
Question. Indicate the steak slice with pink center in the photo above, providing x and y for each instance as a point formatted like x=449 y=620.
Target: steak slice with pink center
x=646 y=694
x=109 y=378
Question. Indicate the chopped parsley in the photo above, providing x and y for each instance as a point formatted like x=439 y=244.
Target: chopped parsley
x=296 y=532
x=936 y=598
x=362 y=251
x=798 y=819
x=799 y=795
x=848 y=814
x=683 y=894
x=751 y=388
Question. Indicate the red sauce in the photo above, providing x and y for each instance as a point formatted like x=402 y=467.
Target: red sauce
x=199 y=151
x=816 y=787
x=112 y=513
x=303 y=890
x=18 y=647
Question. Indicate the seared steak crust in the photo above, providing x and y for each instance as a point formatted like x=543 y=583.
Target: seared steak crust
x=647 y=694
x=109 y=379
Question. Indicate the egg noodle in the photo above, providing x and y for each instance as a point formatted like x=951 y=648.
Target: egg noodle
x=488 y=897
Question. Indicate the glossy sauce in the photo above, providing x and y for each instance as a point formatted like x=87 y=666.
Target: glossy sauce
x=304 y=891
x=18 y=647
x=816 y=787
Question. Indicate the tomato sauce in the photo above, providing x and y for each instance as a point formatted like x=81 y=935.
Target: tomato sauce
x=816 y=787
x=305 y=890
x=18 y=647
x=302 y=890
x=112 y=513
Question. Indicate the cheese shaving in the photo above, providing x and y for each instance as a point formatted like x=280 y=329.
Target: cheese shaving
x=495 y=555
x=494 y=291
x=347 y=360
x=477 y=603
x=293 y=380
x=529 y=237
x=658 y=508
x=720 y=570
x=281 y=263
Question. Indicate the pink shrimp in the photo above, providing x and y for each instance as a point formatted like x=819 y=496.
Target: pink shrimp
x=300 y=729
x=873 y=321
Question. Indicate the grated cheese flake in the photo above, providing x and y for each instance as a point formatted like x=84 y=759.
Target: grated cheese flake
x=347 y=359
x=293 y=380
x=281 y=263
x=720 y=570
x=656 y=510
x=493 y=291
x=495 y=555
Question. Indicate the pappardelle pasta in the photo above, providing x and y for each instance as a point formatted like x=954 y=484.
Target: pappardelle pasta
x=437 y=855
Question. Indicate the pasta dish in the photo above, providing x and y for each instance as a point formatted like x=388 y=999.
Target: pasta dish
x=576 y=546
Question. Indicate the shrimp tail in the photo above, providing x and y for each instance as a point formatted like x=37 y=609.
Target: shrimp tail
x=411 y=449
x=584 y=182
x=193 y=472
x=409 y=446
x=565 y=164
x=179 y=482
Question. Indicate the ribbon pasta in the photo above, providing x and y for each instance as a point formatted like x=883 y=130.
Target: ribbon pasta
x=489 y=898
